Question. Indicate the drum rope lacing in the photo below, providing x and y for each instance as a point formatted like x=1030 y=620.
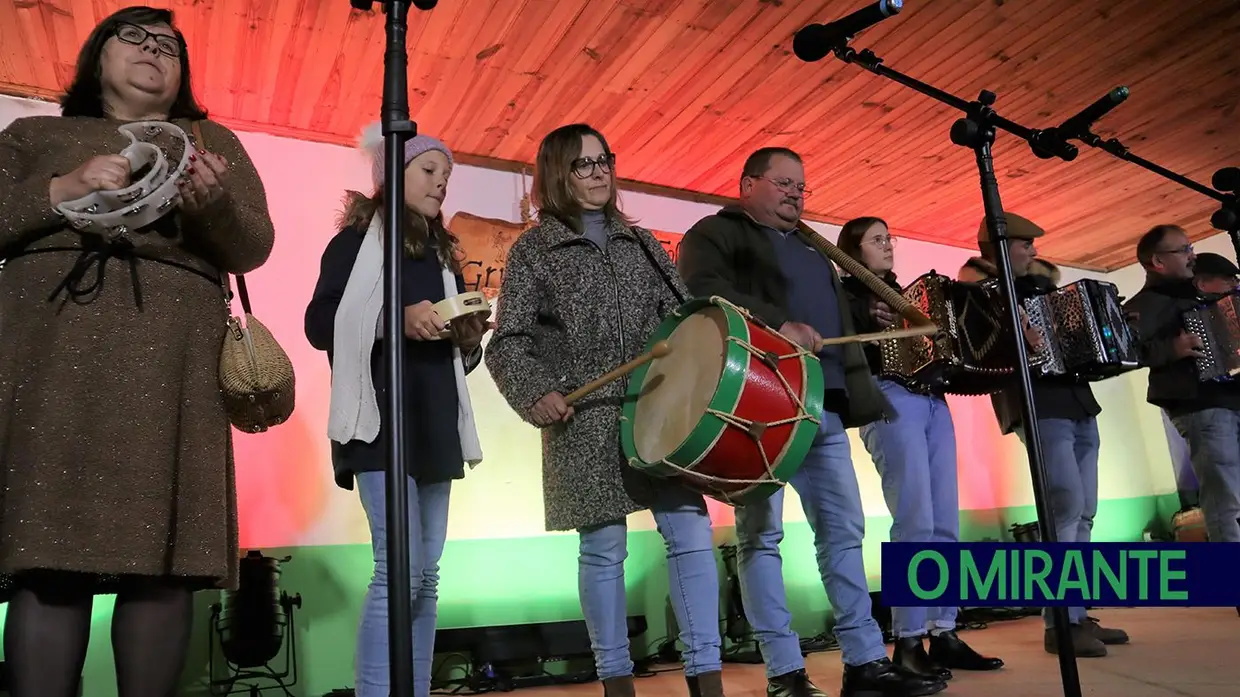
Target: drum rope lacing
x=754 y=429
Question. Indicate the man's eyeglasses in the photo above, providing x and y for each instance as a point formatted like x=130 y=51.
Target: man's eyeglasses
x=785 y=185
x=583 y=167
x=136 y=35
x=1186 y=249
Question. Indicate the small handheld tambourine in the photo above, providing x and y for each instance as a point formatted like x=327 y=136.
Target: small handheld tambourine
x=461 y=306
x=113 y=213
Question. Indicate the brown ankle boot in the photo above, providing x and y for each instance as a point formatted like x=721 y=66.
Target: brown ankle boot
x=706 y=685
x=1084 y=643
x=618 y=687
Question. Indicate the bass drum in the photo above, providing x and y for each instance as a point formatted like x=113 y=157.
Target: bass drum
x=731 y=412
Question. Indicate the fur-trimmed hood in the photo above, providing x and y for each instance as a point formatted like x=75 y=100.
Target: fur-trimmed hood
x=979 y=269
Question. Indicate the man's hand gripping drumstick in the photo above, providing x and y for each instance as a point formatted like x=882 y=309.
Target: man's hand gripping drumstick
x=554 y=407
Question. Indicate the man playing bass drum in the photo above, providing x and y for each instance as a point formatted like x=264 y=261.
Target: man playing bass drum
x=753 y=256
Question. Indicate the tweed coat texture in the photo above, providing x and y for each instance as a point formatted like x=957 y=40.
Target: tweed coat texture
x=116 y=454
x=567 y=313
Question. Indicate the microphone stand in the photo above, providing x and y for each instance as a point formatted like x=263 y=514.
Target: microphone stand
x=397 y=130
x=1228 y=217
x=977 y=131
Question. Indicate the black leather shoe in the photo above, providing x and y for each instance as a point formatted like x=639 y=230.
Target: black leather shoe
x=911 y=653
x=882 y=678
x=949 y=651
x=794 y=684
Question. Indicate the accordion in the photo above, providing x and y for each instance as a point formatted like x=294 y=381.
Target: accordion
x=975 y=343
x=1084 y=332
x=1218 y=326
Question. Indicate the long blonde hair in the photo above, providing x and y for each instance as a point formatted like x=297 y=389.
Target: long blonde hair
x=359 y=209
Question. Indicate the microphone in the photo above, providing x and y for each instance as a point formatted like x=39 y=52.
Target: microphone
x=1227 y=179
x=1078 y=126
x=815 y=41
x=367 y=5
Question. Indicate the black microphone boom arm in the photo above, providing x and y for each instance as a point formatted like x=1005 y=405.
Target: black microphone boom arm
x=977 y=131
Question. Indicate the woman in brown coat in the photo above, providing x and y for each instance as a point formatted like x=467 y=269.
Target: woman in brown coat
x=116 y=465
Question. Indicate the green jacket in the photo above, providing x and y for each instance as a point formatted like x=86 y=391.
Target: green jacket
x=728 y=255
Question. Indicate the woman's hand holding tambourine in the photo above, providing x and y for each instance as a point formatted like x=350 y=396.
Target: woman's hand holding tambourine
x=203 y=182
x=422 y=323
x=100 y=173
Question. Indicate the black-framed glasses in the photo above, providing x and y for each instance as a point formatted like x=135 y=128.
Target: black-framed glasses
x=136 y=35
x=583 y=167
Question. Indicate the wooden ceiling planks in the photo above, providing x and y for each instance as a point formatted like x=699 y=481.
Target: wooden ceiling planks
x=685 y=89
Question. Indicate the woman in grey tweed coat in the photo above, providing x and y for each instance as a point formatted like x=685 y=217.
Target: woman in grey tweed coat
x=582 y=293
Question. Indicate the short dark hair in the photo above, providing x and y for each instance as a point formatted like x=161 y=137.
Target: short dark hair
x=84 y=97
x=1149 y=243
x=759 y=162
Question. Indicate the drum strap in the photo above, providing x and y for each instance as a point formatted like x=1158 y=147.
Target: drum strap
x=680 y=297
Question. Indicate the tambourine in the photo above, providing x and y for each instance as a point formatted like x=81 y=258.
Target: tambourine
x=461 y=306
x=113 y=213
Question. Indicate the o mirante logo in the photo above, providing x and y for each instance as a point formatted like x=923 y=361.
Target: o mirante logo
x=1045 y=574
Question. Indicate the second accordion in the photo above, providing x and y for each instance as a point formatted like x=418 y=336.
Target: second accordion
x=1217 y=324
x=1084 y=330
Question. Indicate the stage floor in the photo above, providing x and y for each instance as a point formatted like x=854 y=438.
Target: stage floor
x=1174 y=652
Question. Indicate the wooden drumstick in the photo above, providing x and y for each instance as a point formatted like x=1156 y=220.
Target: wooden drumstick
x=879 y=336
x=659 y=350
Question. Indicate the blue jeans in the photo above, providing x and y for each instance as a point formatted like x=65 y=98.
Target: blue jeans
x=428 y=530
x=1213 y=437
x=1070 y=455
x=827 y=485
x=916 y=457
x=1181 y=463
x=693 y=584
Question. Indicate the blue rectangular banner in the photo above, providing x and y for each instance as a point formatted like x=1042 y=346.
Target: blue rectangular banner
x=1114 y=574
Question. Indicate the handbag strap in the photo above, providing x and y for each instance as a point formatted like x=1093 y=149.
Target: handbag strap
x=242 y=292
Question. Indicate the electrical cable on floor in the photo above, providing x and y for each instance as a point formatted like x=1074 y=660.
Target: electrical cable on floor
x=982 y=617
x=660 y=652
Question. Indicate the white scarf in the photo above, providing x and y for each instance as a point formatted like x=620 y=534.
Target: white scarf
x=354 y=413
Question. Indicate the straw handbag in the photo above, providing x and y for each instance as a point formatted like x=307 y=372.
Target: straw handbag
x=256 y=375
